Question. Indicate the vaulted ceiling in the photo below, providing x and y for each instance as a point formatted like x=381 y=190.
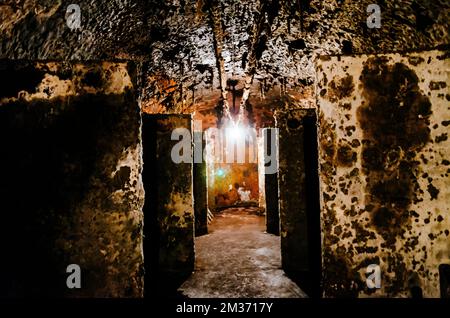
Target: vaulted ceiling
x=186 y=48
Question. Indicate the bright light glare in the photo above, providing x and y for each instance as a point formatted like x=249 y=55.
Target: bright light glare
x=235 y=133
x=220 y=173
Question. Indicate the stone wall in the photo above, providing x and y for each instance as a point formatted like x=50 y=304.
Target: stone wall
x=71 y=189
x=384 y=154
x=169 y=205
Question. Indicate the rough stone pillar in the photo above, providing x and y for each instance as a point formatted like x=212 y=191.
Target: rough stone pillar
x=70 y=186
x=384 y=171
x=294 y=239
x=200 y=187
x=299 y=197
x=271 y=186
x=168 y=209
x=261 y=179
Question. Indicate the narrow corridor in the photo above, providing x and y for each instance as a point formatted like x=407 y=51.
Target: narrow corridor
x=237 y=259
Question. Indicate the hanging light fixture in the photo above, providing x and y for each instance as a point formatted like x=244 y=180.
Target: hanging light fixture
x=250 y=67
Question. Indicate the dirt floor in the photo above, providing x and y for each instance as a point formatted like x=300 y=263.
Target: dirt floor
x=237 y=259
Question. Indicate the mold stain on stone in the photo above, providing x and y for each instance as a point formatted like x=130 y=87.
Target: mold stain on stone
x=346 y=156
x=94 y=78
x=342 y=281
x=328 y=148
x=340 y=88
x=16 y=79
x=441 y=138
x=433 y=191
x=122 y=177
x=415 y=60
x=437 y=85
x=394 y=120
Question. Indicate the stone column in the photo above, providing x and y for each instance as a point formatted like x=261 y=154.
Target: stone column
x=261 y=179
x=168 y=209
x=271 y=185
x=299 y=198
x=70 y=185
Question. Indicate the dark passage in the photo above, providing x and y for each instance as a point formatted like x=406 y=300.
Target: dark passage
x=313 y=283
x=151 y=227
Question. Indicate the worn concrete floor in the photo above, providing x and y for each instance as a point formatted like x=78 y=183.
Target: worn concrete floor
x=238 y=260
